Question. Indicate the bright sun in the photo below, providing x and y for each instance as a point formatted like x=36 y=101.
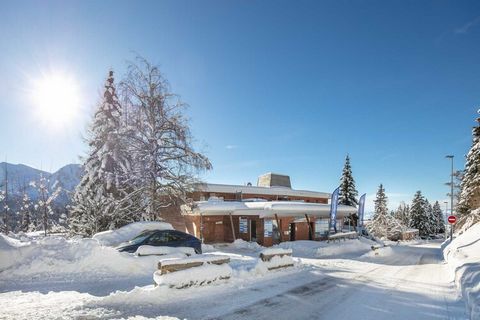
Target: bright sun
x=56 y=99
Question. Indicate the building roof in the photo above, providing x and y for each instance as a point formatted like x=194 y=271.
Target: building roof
x=278 y=191
x=267 y=208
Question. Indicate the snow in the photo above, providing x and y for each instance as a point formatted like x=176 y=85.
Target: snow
x=242 y=244
x=274 y=263
x=146 y=250
x=79 y=278
x=315 y=249
x=115 y=237
x=463 y=258
x=342 y=235
x=198 y=258
x=203 y=274
x=55 y=257
x=271 y=251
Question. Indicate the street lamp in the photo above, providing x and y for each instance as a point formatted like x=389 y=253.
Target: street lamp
x=451 y=196
x=445 y=218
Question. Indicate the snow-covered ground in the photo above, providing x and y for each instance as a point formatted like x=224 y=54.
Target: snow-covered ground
x=79 y=278
x=463 y=258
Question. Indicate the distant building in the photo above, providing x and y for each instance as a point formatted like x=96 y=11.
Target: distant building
x=268 y=213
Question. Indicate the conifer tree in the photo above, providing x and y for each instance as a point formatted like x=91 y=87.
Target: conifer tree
x=470 y=186
x=100 y=194
x=431 y=221
x=348 y=193
x=402 y=214
x=439 y=219
x=380 y=222
x=418 y=214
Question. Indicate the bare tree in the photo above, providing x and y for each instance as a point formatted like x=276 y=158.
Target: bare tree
x=4 y=199
x=45 y=199
x=165 y=163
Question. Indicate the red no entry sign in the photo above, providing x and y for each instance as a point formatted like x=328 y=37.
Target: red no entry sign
x=452 y=219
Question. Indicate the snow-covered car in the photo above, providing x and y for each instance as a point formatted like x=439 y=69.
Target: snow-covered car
x=162 y=238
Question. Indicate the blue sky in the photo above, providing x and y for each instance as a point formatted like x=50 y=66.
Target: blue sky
x=282 y=86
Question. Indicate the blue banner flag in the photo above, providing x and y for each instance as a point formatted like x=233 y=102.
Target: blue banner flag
x=361 y=209
x=333 y=209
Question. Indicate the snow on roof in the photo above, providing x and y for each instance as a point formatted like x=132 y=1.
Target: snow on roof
x=269 y=208
x=128 y=232
x=281 y=191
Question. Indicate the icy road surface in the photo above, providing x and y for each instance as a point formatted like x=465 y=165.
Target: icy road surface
x=401 y=282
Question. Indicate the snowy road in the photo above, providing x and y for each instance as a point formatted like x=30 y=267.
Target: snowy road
x=410 y=284
x=401 y=282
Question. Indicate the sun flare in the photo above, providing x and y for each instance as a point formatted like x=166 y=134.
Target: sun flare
x=56 y=99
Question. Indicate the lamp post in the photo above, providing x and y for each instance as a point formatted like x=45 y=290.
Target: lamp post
x=451 y=196
x=445 y=219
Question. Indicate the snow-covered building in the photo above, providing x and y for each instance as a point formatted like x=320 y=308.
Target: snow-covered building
x=268 y=213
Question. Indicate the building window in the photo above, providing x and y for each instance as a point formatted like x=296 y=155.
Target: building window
x=321 y=228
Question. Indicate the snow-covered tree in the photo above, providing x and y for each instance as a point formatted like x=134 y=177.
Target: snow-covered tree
x=402 y=214
x=45 y=199
x=165 y=163
x=99 y=198
x=348 y=193
x=418 y=214
x=25 y=211
x=431 y=220
x=4 y=202
x=395 y=227
x=380 y=222
x=5 y=209
x=439 y=218
x=470 y=186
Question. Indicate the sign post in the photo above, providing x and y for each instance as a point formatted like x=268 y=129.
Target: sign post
x=452 y=220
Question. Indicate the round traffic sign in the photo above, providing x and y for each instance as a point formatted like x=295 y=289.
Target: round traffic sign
x=452 y=219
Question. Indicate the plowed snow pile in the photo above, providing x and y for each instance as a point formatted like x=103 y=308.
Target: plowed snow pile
x=57 y=257
x=463 y=256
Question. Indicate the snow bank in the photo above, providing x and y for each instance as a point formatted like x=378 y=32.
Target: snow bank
x=198 y=258
x=242 y=244
x=322 y=249
x=204 y=274
x=56 y=257
x=277 y=262
x=463 y=257
x=152 y=250
x=115 y=237
x=271 y=251
x=12 y=252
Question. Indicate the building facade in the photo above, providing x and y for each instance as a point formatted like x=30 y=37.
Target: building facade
x=268 y=213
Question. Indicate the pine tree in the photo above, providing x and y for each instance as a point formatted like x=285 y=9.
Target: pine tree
x=160 y=141
x=418 y=214
x=470 y=186
x=380 y=222
x=100 y=196
x=431 y=221
x=395 y=227
x=439 y=219
x=348 y=193
x=402 y=214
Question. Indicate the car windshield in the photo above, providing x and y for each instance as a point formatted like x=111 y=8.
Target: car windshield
x=141 y=237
